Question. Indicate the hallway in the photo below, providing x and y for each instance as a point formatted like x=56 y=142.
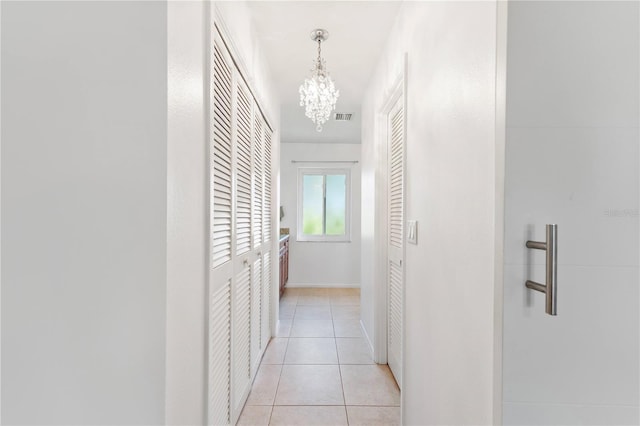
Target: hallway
x=318 y=370
x=466 y=211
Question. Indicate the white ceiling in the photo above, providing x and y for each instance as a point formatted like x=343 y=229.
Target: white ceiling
x=358 y=32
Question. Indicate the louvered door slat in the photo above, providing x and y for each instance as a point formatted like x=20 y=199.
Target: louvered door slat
x=256 y=302
x=243 y=172
x=219 y=355
x=396 y=177
x=395 y=308
x=242 y=333
x=265 y=311
x=222 y=199
x=267 y=184
x=258 y=176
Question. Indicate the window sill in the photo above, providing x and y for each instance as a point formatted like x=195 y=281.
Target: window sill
x=306 y=240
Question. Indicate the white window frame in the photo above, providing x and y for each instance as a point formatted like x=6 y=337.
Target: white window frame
x=323 y=172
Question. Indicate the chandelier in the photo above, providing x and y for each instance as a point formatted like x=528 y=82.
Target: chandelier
x=318 y=94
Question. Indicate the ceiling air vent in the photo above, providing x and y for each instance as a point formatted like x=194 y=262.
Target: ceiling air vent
x=343 y=116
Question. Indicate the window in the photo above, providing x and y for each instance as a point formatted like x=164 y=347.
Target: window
x=323 y=204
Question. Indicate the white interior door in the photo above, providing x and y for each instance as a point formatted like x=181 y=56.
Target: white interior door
x=572 y=160
x=267 y=217
x=244 y=268
x=395 y=242
x=257 y=213
x=222 y=209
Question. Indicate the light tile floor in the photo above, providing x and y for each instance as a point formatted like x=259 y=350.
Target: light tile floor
x=318 y=369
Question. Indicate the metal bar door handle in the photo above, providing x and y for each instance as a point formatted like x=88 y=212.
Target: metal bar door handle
x=550 y=287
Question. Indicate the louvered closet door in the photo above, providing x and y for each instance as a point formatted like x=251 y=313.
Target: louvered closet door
x=265 y=311
x=267 y=208
x=221 y=241
x=256 y=308
x=395 y=270
x=243 y=160
x=243 y=309
x=257 y=223
x=241 y=239
x=258 y=178
x=220 y=356
x=222 y=180
x=266 y=199
x=241 y=338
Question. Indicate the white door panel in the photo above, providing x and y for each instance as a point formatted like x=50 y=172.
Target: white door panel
x=570 y=161
x=220 y=356
x=241 y=326
x=221 y=280
x=256 y=314
x=395 y=244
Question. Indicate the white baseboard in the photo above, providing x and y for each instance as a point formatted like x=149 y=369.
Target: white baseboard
x=366 y=338
x=321 y=285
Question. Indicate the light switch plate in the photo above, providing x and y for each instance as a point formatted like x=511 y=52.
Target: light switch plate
x=412 y=231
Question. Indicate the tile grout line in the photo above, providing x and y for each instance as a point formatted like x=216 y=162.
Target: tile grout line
x=335 y=342
x=271 y=411
x=346 y=413
x=281 y=367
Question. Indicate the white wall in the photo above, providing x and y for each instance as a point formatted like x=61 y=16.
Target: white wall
x=187 y=212
x=449 y=330
x=573 y=92
x=320 y=264
x=84 y=109
x=190 y=31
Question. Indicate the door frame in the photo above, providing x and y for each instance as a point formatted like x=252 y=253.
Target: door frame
x=396 y=91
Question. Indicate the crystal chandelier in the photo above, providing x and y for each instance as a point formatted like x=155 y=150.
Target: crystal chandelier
x=318 y=94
